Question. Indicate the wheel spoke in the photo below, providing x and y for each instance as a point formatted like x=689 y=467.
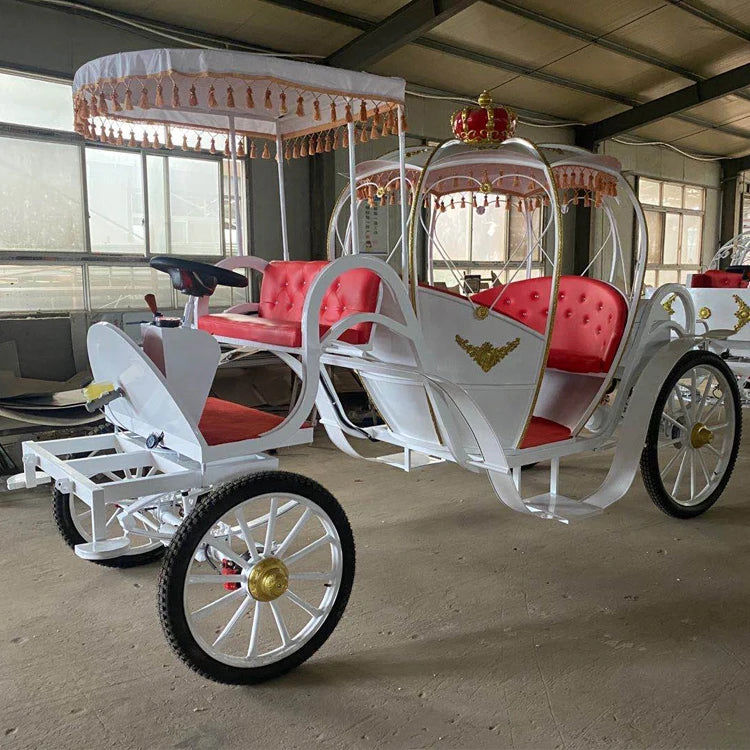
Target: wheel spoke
x=325 y=577
x=688 y=420
x=112 y=518
x=692 y=475
x=679 y=474
x=667 y=443
x=146 y=521
x=672 y=460
x=677 y=424
x=307 y=550
x=202 y=612
x=290 y=537
x=715 y=427
x=302 y=604
x=280 y=624
x=706 y=475
x=253 y=646
x=270 y=528
x=234 y=619
x=247 y=535
x=214 y=578
x=706 y=391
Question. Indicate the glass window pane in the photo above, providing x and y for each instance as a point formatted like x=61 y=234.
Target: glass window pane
x=230 y=222
x=489 y=232
x=30 y=288
x=195 y=207
x=115 y=192
x=692 y=229
x=156 y=172
x=123 y=287
x=654 y=223
x=649 y=278
x=648 y=191
x=41 y=202
x=226 y=296
x=452 y=230
x=517 y=241
x=35 y=102
x=671 y=238
x=694 y=198
x=668 y=277
x=671 y=195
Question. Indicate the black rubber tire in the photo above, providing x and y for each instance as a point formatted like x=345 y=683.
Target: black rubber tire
x=649 y=457
x=188 y=536
x=71 y=535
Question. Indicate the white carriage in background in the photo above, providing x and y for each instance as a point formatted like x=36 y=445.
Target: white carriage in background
x=721 y=299
x=258 y=570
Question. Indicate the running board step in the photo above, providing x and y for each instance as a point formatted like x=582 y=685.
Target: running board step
x=560 y=508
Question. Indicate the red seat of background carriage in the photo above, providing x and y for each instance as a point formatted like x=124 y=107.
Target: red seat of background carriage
x=589 y=323
x=718 y=280
x=282 y=298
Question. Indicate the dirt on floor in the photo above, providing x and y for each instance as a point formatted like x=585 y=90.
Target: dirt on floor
x=469 y=626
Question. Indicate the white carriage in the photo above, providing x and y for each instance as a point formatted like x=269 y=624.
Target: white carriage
x=721 y=299
x=534 y=368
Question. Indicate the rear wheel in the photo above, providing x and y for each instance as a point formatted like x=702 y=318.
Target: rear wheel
x=693 y=436
x=256 y=578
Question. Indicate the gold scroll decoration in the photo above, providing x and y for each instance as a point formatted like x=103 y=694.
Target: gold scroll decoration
x=668 y=302
x=487 y=355
x=742 y=313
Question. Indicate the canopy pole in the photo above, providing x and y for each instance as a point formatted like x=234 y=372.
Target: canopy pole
x=241 y=250
x=282 y=194
x=353 y=188
x=402 y=180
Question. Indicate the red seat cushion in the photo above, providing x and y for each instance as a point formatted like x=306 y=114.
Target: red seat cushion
x=263 y=330
x=225 y=422
x=282 y=299
x=589 y=323
x=542 y=431
x=718 y=280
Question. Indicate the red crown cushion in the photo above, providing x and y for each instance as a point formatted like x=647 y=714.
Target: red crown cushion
x=718 y=280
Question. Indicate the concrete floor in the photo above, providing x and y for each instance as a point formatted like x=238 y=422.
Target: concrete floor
x=469 y=627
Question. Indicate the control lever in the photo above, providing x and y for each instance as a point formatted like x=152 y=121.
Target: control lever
x=159 y=320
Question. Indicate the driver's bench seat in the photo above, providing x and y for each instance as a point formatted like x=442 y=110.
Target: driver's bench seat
x=282 y=299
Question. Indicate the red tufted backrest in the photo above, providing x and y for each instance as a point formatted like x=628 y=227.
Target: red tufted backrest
x=591 y=315
x=718 y=280
x=285 y=284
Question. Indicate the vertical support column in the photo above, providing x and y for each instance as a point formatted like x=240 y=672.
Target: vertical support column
x=354 y=219
x=402 y=181
x=238 y=218
x=730 y=207
x=282 y=194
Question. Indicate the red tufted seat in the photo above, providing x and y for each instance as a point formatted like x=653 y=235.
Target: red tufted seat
x=590 y=318
x=282 y=297
x=718 y=280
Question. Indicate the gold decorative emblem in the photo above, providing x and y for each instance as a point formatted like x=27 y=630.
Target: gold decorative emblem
x=485 y=187
x=668 y=302
x=704 y=313
x=380 y=192
x=487 y=355
x=481 y=312
x=742 y=314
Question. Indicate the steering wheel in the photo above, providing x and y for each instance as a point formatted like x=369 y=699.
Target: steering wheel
x=196 y=279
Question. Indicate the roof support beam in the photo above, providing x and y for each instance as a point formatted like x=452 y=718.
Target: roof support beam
x=400 y=28
x=732 y=167
x=711 y=18
x=346 y=19
x=671 y=104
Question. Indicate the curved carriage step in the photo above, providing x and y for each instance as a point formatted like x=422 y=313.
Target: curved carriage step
x=560 y=508
x=104 y=549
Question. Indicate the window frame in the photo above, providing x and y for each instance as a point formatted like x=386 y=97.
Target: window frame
x=88 y=257
x=679 y=267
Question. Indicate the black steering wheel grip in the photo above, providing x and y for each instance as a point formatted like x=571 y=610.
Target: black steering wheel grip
x=194 y=278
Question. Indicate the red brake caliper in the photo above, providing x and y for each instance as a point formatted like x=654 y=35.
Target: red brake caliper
x=228 y=568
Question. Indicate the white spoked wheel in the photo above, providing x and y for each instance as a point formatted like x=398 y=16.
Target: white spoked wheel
x=257 y=577
x=693 y=436
x=73 y=519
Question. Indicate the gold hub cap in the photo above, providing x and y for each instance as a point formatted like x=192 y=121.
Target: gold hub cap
x=268 y=579
x=700 y=435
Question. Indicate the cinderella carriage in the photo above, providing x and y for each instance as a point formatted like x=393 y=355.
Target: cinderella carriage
x=539 y=366
x=721 y=299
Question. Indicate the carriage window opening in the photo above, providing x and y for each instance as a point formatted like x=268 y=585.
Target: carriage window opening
x=487 y=243
x=97 y=212
x=674 y=218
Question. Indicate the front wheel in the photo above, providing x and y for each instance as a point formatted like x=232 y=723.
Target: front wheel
x=693 y=436
x=256 y=578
